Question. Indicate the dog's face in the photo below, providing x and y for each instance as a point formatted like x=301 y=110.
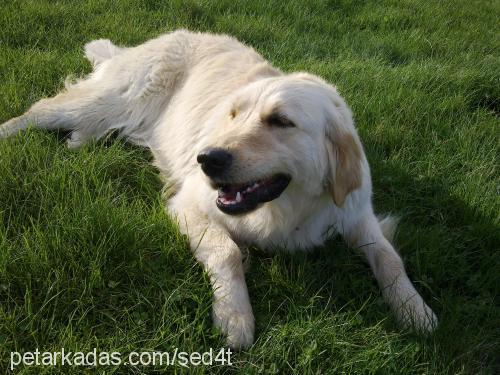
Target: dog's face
x=292 y=133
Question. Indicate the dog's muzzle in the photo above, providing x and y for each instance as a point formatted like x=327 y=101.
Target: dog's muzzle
x=238 y=198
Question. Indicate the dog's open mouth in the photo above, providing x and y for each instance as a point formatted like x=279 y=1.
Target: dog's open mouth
x=240 y=198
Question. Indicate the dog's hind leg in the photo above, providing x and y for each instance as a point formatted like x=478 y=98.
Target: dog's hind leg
x=129 y=90
x=85 y=108
x=82 y=108
x=88 y=108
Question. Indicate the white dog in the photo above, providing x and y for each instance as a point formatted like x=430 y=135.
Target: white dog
x=254 y=155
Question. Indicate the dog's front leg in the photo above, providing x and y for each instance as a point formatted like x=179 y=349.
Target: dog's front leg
x=386 y=264
x=232 y=311
x=222 y=259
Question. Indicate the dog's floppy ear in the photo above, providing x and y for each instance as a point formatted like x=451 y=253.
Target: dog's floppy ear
x=344 y=157
x=345 y=153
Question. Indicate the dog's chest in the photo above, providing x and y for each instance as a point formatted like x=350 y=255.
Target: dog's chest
x=286 y=233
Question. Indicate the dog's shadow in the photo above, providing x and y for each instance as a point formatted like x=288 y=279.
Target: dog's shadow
x=446 y=246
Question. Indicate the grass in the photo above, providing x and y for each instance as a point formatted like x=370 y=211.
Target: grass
x=88 y=258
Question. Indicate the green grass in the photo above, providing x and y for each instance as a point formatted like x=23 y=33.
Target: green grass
x=88 y=258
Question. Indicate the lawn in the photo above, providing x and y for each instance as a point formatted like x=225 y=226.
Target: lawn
x=89 y=259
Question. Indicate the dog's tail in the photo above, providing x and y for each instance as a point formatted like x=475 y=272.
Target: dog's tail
x=101 y=50
x=389 y=225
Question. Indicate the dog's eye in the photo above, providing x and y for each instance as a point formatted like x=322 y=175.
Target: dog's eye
x=279 y=121
x=232 y=114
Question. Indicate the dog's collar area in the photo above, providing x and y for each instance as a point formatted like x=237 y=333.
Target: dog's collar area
x=234 y=199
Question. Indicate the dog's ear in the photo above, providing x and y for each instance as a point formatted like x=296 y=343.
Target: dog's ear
x=345 y=153
x=344 y=157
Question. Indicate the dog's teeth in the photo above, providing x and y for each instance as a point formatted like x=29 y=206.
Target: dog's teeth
x=238 y=197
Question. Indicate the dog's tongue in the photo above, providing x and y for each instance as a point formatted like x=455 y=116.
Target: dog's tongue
x=229 y=193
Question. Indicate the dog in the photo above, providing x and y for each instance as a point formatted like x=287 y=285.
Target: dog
x=253 y=156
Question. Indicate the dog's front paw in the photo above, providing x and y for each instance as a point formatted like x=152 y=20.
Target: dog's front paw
x=237 y=326
x=417 y=315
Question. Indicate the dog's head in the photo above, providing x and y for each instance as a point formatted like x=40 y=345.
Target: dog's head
x=286 y=134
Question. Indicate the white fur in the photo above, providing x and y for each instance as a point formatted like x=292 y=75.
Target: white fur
x=174 y=94
x=101 y=50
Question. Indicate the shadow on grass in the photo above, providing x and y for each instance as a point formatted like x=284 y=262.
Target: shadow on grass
x=449 y=253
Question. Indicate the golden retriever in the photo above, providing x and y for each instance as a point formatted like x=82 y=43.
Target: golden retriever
x=255 y=156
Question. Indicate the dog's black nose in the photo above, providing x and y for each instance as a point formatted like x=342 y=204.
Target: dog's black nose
x=214 y=161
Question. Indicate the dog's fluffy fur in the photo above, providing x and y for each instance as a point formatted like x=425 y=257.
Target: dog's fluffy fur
x=183 y=93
